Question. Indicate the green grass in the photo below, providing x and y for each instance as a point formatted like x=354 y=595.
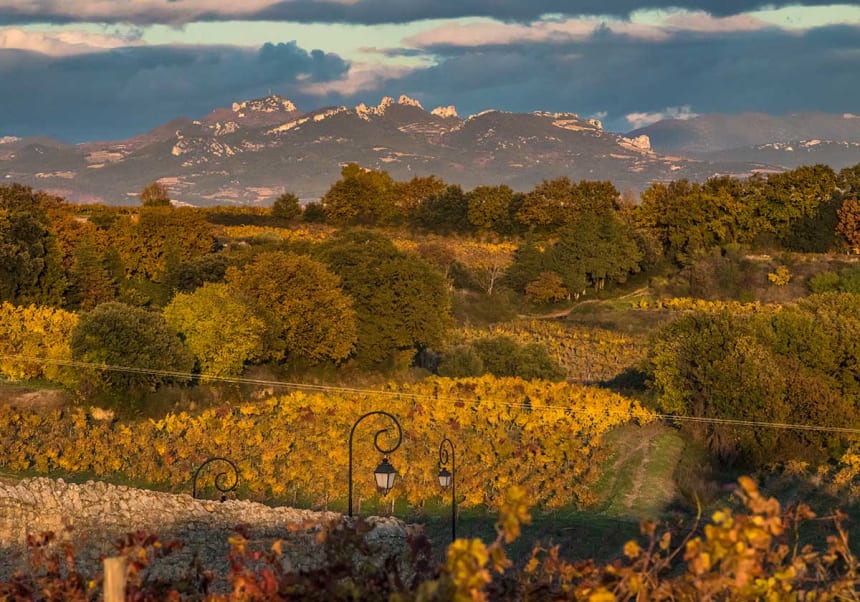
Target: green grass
x=638 y=478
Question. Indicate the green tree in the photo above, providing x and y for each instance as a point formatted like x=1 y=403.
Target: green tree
x=503 y=356
x=790 y=366
x=489 y=209
x=91 y=282
x=155 y=195
x=409 y=195
x=446 y=212
x=314 y=213
x=287 y=207
x=361 y=197
x=116 y=334
x=219 y=330
x=401 y=302
x=31 y=269
x=307 y=315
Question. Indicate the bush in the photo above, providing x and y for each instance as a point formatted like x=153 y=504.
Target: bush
x=460 y=362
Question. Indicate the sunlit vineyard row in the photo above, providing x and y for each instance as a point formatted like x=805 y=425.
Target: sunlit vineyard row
x=587 y=354
x=539 y=435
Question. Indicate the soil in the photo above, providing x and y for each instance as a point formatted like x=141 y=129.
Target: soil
x=31 y=398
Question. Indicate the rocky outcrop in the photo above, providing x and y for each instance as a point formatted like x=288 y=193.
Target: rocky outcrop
x=95 y=515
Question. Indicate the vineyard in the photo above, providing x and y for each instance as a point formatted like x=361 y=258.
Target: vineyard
x=542 y=436
x=587 y=354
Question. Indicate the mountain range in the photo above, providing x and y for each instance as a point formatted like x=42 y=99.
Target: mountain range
x=254 y=150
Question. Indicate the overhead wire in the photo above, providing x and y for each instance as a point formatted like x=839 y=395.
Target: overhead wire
x=407 y=394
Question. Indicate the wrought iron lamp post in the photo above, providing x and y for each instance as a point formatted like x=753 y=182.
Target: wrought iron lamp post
x=220 y=478
x=385 y=472
x=446 y=479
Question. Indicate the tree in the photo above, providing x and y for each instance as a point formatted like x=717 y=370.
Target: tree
x=219 y=330
x=400 y=301
x=409 y=195
x=597 y=245
x=287 y=207
x=31 y=269
x=787 y=197
x=360 y=197
x=486 y=261
x=849 y=224
x=155 y=195
x=548 y=206
x=490 y=209
x=116 y=334
x=307 y=315
x=446 y=212
x=159 y=236
x=546 y=288
x=92 y=284
x=796 y=365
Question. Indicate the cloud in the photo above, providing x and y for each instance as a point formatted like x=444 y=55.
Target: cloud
x=353 y=11
x=640 y=120
x=359 y=78
x=580 y=29
x=63 y=42
x=118 y=93
x=769 y=70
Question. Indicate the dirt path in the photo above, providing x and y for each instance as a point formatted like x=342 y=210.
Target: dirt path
x=36 y=399
x=639 y=479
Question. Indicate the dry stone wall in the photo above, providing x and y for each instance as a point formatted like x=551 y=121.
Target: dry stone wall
x=94 y=515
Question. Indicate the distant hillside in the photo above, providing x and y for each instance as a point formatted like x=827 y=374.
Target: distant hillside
x=254 y=150
x=707 y=134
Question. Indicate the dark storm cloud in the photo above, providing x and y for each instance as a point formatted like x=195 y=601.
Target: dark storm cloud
x=359 y=12
x=769 y=71
x=108 y=95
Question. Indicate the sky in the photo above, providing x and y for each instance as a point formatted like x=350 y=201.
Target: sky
x=84 y=70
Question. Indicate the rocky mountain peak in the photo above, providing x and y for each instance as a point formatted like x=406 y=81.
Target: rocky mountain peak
x=405 y=100
x=445 y=112
x=8 y=139
x=269 y=104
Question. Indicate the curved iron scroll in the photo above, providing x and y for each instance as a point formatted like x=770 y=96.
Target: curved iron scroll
x=220 y=478
x=383 y=450
x=443 y=460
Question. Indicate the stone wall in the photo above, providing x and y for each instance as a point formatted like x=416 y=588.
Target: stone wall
x=95 y=515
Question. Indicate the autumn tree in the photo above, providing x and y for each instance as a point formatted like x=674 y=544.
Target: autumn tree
x=159 y=236
x=486 y=261
x=401 y=302
x=29 y=334
x=220 y=331
x=287 y=207
x=308 y=317
x=155 y=195
x=848 y=226
x=115 y=334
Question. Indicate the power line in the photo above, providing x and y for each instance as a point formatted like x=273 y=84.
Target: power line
x=411 y=395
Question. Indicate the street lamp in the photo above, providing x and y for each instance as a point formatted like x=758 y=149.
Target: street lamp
x=220 y=478
x=446 y=479
x=385 y=472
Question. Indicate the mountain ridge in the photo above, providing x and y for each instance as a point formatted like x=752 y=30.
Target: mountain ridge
x=255 y=149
